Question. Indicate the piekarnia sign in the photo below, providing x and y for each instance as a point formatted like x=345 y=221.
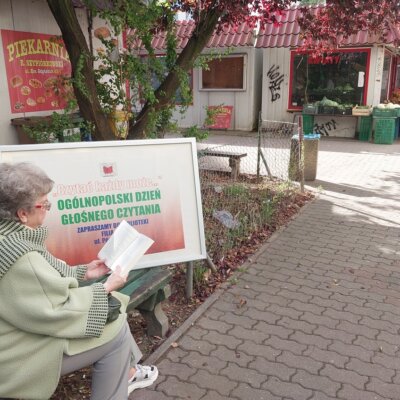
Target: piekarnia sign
x=152 y=184
x=36 y=68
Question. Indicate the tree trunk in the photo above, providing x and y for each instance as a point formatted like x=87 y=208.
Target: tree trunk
x=81 y=60
x=185 y=61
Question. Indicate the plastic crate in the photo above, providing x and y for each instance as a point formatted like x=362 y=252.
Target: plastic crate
x=365 y=129
x=361 y=112
x=343 y=110
x=384 y=112
x=308 y=123
x=327 y=110
x=384 y=130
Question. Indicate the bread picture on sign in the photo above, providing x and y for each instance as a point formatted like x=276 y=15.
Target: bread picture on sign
x=31 y=102
x=35 y=83
x=102 y=33
x=25 y=90
x=50 y=82
x=16 y=81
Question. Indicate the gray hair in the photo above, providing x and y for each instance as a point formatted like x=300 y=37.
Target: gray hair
x=21 y=184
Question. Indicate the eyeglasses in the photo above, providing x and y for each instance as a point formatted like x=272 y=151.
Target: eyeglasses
x=46 y=205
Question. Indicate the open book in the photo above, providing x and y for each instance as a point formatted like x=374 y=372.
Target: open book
x=124 y=248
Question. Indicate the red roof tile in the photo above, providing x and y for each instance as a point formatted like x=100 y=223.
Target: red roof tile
x=287 y=34
x=228 y=37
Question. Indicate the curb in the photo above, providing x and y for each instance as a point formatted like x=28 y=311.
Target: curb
x=160 y=351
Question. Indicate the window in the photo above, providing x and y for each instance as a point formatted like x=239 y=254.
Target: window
x=224 y=74
x=340 y=76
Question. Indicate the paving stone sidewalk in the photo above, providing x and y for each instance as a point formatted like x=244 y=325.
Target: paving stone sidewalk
x=316 y=314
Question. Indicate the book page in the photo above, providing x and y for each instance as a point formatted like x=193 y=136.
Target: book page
x=124 y=247
x=129 y=258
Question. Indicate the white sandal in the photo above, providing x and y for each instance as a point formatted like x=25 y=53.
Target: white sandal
x=145 y=375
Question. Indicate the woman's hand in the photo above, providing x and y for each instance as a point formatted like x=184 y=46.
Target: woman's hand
x=115 y=281
x=96 y=269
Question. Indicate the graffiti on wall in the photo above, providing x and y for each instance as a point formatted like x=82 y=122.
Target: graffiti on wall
x=325 y=127
x=275 y=81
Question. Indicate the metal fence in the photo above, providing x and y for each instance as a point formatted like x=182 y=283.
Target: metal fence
x=279 y=150
x=272 y=152
x=245 y=177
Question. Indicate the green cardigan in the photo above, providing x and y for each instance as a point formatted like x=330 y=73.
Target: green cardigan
x=44 y=313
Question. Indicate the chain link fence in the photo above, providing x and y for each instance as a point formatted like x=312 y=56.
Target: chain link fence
x=271 y=153
x=245 y=180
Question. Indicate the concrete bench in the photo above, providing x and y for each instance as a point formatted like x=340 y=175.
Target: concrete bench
x=234 y=159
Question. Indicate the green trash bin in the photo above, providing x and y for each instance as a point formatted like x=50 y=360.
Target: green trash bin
x=310 y=148
x=308 y=123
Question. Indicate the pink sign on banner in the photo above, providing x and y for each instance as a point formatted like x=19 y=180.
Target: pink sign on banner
x=37 y=66
x=222 y=120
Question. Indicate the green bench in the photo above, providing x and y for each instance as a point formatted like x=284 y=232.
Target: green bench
x=147 y=288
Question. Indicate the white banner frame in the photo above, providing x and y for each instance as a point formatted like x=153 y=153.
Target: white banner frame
x=166 y=168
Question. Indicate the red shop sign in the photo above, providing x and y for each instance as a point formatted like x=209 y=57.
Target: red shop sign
x=36 y=68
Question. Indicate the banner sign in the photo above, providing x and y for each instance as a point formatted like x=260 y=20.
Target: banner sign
x=222 y=120
x=152 y=184
x=36 y=67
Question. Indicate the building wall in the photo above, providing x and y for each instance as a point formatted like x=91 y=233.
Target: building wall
x=257 y=82
x=26 y=16
x=275 y=84
x=275 y=92
x=246 y=103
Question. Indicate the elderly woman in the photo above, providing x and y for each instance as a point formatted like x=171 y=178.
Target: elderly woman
x=49 y=325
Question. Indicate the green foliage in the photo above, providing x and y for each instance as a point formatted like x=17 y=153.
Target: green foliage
x=79 y=80
x=199 y=272
x=138 y=64
x=267 y=209
x=237 y=190
x=204 y=59
x=59 y=127
x=202 y=133
x=196 y=132
x=161 y=123
x=253 y=208
x=211 y=114
x=233 y=280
